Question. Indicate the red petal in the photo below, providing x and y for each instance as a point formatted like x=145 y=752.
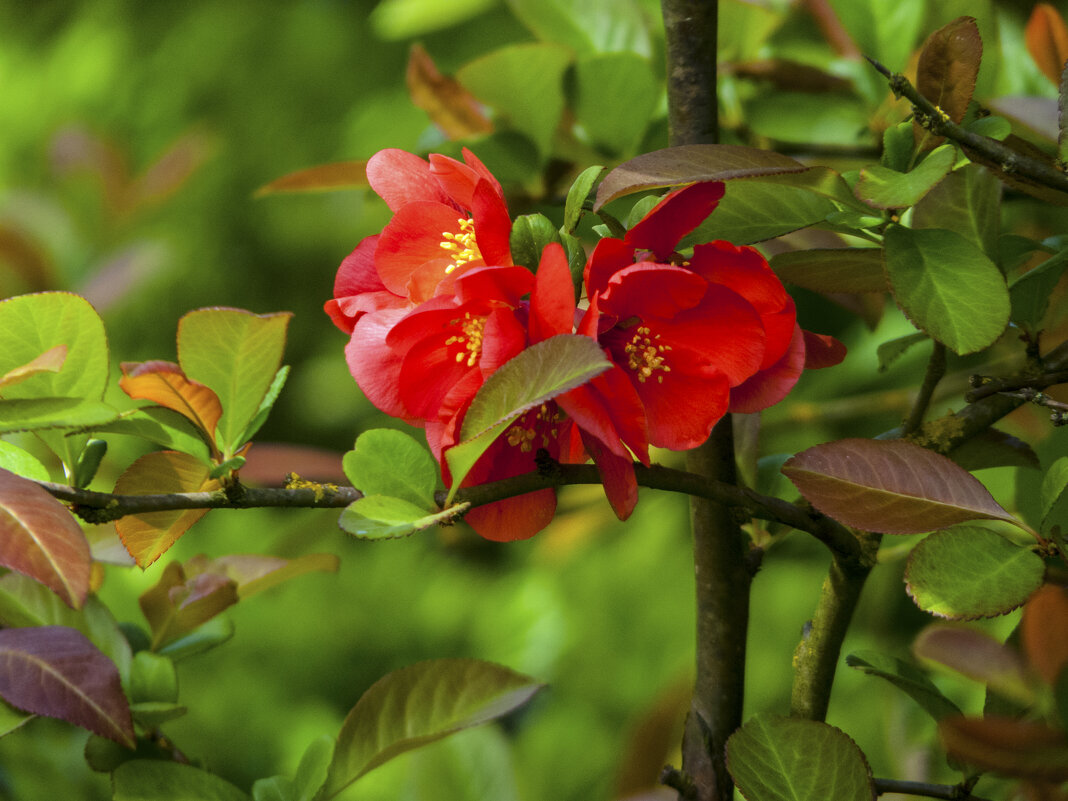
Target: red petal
x=493 y=226
x=374 y=365
x=502 y=339
x=552 y=304
x=608 y=258
x=357 y=273
x=682 y=417
x=617 y=476
x=400 y=178
x=673 y=217
x=648 y=290
x=474 y=163
x=608 y=408
x=770 y=386
x=501 y=284
x=518 y=518
x=822 y=350
x=412 y=238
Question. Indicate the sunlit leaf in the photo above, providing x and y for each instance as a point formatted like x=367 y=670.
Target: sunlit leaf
x=947 y=286
x=448 y=104
x=537 y=374
x=389 y=462
x=578 y=194
x=237 y=354
x=1046 y=36
x=56 y=671
x=159 y=780
x=322 y=178
x=404 y=19
x=178 y=604
x=832 y=270
x=890 y=486
x=884 y=188
x=36 y=414
x=48 y=362
x=164 y=427
x=978 y=656
x=947 y=71
x=380 y=517
x=21 y=462
x=775 y=758
x=165 y=383
x=147 y=536
x=264 y=410
x=40 y=539
x=1030 y=293
x=689 y=164
x=907 y=678
x=1008 y=746
x=419 y=704
x=969 y=572
x=1044 y=632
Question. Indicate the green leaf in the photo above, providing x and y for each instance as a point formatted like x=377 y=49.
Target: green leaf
x=215 y=632
x=898 y=143
x=88 y=463
x=472 y=765
x=314 y=768
x=1054 y=496
x=525 y=84
x=754 y=211
x=22 y=463
x=604 y=26
x=273 y=391
x=153 y=678
x=794 y=117
x=276 y=788
x=890 y=351
x=994 y=448
x=969 y=572
x=947 y=287
x=156 y=780
x=418 y=705
x=237 y=354
x=389 y=462
x=380 y=517
x=403 y=19
x=577 y=196
x=775 y=758
x=832 y=269
x=615 y=97
x=33 y=324
x=884 y=188
x=164 y=427
x=906 y=677
x=227 y=467
x=537 y=374
x=35 y=414
x=530 y=234
x=153 y=714
x=967 y=201
x=1030 y=292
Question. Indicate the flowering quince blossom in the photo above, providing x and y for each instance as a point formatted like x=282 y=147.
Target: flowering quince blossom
x=433 y=306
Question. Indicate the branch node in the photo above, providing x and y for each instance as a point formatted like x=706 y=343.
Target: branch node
x=678 y=781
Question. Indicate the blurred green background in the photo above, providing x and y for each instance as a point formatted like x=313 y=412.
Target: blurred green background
x=133 y=138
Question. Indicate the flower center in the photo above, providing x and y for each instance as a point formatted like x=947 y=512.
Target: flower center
x=469 y=339
x=537 y=422
x=461 y=247
x=645 y=355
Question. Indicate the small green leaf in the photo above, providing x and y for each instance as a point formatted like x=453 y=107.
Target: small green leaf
x=314 y=768
x=203 y=638
x=1054 y=496
x=577 y=196
x=1030 y=292
x=992 y=127
x=530 y=234
x=904 y=676
x=898 y=143
x=153 y=714
x=156 y=780
x=153 y=678
x=885 y=188
x=22 y=463
x=265 y=405
x=615 y=97
x=537 y=374
x=418 y=705
x=237 y=354
x=276 y=788
x=947 y=287
x=380 y=517
x=890 y=351
x=968 y=572
x=389 y=462
x=227 y=467
x=88 y=463
x=163 y=427
x=775 y=758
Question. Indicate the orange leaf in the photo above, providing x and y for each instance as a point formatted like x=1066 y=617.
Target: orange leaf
x=165 y=383
x=48 y=362
x=322 y=178
x=1007 y=746
x=1047 y=41
x=40 y=539
x=179 y=603
x=148 y=536
x=449 y=105
x=1044 y=632
x=948 y=67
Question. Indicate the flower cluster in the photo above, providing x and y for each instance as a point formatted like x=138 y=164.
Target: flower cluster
x=434 y=305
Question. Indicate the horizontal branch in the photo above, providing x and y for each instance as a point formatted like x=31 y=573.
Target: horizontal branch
x=951 y=792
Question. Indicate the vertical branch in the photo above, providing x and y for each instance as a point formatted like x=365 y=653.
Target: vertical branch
x=690 y=29
x=936 y=369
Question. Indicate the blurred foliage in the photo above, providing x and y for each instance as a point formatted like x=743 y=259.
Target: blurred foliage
x=133 y=137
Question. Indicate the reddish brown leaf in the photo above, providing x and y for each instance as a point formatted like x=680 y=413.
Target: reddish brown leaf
x=56 y=671
x=449 y=105
x=40 y=539
x=254 y=573
x=893 y=487
x=178 y=603
x=674 y=166
x=1008 y=746
x=170 y=170
x=1044 y=632
x=322 y=178
x=148 y=536
x=1047 y=40
x=791 y=76
x=48 y=362
x=269 y=462
x=948 y=67
x=165 y=383
x=978 y=656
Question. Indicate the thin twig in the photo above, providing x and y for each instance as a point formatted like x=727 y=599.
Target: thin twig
x=950 y=792
x=936 y=369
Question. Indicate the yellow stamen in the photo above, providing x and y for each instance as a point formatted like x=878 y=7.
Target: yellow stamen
x=462 y=247
x=645 y=354
x=470 y=338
